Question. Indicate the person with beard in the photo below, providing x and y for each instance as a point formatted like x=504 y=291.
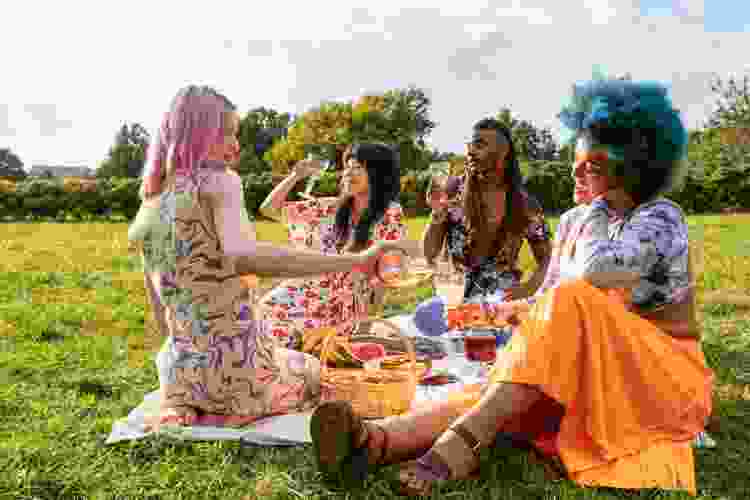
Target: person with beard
x=484 y=235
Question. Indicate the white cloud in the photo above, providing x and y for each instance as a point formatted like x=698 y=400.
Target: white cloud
x=100 y=66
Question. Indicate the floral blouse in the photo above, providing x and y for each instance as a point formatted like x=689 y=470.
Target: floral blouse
x=329 y=300
x=491 y=275
x=651 y=241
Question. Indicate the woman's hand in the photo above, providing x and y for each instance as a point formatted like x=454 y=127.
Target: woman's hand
x=516 y=293
x=440 y=210
x=368 y=259
x=307 y=168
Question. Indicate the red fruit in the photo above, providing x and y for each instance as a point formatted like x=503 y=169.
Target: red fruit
x=365 y=351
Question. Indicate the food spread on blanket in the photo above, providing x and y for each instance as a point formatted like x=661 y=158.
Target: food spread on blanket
x=403 y=361
x=475 y=315
x=340 y=353
x=438 y=377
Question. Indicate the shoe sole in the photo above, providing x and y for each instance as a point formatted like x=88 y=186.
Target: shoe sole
x=331 y=430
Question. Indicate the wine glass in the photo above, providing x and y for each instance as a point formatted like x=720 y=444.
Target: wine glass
x=449 y=283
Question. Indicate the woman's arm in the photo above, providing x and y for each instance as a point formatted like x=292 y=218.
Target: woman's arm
x=265 y=259
x=273 y=205
x=654 y=233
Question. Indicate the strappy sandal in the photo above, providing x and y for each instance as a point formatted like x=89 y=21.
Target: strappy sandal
x=341 y=443
x=418 y=480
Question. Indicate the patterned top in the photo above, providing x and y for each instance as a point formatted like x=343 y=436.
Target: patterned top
x=330 y=300
x=651 y=241
x=218 y=359
x=490 y=275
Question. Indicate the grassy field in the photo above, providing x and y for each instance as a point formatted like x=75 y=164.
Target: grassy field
x=74 y=357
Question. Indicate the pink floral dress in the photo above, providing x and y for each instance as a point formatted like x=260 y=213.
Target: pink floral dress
x=328 y=300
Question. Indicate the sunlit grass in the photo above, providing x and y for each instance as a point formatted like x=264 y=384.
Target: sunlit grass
x=75 y=354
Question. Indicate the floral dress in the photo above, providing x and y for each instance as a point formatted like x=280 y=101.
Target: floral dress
x=217 y=359
x=490 y=275
x=335 y=299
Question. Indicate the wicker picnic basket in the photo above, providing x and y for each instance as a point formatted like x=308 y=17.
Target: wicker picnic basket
x=373 y=393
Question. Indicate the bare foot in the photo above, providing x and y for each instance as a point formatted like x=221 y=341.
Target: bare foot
x=182 y=415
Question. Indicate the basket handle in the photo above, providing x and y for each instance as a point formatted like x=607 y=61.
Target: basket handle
x=328 y=342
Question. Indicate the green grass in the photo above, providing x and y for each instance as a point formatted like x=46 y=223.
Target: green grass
x=74 y=357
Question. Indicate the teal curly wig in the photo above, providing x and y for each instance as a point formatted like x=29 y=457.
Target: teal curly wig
x=639 y=127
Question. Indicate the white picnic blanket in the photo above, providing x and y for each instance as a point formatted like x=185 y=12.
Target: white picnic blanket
x=293 y=429
x=284 y=430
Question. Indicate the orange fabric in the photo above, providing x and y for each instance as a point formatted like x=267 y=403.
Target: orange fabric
x=634 y=397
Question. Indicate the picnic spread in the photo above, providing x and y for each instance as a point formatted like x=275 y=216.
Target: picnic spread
x=386 y=367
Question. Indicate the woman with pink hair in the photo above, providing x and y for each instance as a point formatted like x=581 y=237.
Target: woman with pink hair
x=218 y=360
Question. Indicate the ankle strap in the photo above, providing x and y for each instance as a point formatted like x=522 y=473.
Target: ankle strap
x=472 y=442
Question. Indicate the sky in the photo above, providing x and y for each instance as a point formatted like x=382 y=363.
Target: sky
x=74 y=71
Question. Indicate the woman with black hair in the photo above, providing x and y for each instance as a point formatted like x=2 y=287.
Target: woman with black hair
x=366 y=211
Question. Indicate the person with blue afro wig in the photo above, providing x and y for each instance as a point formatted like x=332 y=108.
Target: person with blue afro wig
x=604 y=375
x=638 y=128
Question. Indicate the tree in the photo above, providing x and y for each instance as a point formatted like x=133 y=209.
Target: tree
x=127 y=156
x=531 y=142
x=398 y=117
x=732 y=103
x=259 y=129
x=11 y=165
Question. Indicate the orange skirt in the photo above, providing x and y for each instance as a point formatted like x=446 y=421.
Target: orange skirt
x=625 y=399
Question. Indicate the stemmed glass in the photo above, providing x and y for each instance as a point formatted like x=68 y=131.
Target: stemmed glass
x=449 y=283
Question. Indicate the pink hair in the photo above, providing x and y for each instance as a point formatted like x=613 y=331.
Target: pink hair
x=194 y=122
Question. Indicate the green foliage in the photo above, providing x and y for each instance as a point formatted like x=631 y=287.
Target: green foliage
x=531 y=143
x=251 y=164
x=732 y=103
x=259 y=129
x=127 y=156
x=399 y=117
x=41 y=198
x=550 y=183
x=11 y=166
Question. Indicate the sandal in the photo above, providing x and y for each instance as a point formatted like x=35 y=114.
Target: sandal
x=341 y=442
x=418 y=477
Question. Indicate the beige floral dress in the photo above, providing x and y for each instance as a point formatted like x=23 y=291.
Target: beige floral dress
x=218 y=359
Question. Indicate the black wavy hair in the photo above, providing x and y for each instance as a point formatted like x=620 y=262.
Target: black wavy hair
x=384 y=179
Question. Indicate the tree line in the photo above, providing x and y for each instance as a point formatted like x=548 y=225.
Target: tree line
x=271 y=141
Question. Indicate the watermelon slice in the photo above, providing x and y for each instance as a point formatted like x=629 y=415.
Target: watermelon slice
x=366 y=351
